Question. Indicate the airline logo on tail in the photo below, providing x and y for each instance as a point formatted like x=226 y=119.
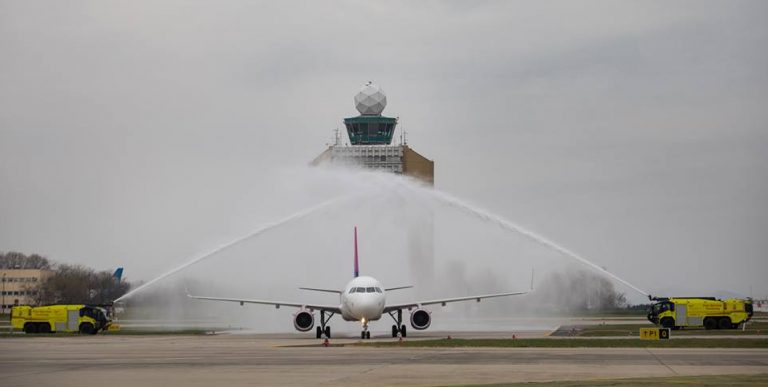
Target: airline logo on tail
x=118 y=274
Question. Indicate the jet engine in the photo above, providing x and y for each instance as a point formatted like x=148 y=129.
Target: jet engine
x=421 y=319
x=303 y=320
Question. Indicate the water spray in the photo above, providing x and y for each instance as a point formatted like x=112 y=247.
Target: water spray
x=264 y=228
x=454 y=202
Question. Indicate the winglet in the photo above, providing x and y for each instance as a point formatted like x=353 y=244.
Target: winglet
x=357 y=268
x=531 y=279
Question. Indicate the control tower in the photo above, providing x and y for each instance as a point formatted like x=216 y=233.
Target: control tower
x=370 y=141
x=370 y=146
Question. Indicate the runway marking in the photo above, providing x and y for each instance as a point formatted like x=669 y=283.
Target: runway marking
x=661 y=362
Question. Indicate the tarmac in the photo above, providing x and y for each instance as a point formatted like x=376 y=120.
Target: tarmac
x=298 y=359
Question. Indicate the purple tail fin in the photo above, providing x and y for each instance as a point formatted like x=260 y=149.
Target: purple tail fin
x=357 y=268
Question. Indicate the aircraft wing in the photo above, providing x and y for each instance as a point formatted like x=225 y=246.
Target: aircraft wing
x=390 y=308
x=277 y=304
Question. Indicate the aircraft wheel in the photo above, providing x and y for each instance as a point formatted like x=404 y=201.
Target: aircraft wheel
x=362 y=335
x=368 y=335
x=318 y=332
x=328 y=331
x=394 y=330
x=402 y=330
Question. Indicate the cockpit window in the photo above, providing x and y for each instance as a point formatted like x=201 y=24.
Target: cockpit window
x=352 y=290
x=378 y=290
x=360 y=290
x=663 y=307
x=370 y=290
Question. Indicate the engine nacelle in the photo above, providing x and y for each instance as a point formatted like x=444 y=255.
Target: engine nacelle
x=303 y=320
x=421 y=319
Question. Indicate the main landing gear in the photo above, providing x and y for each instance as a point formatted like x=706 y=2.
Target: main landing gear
x=399 y=327
x=324 y=329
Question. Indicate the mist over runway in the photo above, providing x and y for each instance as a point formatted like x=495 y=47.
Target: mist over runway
x=475 y=252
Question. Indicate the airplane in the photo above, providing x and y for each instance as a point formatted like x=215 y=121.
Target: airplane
x=364 y=300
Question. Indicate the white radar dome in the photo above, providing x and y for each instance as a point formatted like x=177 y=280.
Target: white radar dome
x=371 y=100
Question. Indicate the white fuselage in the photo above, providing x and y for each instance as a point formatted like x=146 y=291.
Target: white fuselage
x=363 y=299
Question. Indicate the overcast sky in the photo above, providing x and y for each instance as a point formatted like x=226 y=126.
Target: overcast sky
x=635 y=133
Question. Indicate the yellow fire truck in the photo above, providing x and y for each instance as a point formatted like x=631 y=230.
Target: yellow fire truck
x=60 y=318
x=709 y=312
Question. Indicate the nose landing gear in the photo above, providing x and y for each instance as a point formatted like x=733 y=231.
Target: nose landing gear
x=365 y=334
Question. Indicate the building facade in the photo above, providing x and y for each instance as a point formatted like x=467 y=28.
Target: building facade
x=397 y=159
x=20 y=287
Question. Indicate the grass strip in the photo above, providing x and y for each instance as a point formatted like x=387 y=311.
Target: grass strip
x=599 y=330
x=576 y=343
x=124 y=332
x=704 y=380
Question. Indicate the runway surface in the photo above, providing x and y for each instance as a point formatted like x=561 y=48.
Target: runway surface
x=250 y=359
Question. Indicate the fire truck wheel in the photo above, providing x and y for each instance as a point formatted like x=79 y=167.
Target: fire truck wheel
x=668 y=322
x=87 y=329
x=724 y=323
x=710 y=323
x=44 y=328
x=30 y=328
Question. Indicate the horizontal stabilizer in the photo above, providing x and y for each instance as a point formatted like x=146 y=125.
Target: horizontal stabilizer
x=398 y=288
x=322 y=290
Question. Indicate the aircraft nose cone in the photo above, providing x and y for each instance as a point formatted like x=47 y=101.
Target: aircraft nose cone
x=370 y=312
x=365 y=309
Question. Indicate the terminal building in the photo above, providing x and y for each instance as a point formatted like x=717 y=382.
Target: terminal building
x=20 y=287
